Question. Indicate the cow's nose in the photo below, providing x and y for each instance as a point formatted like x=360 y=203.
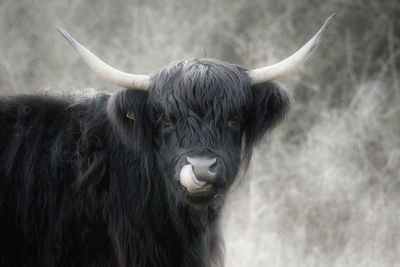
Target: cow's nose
x=203 y=168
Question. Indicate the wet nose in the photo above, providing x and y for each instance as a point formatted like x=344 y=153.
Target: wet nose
x=203 y=168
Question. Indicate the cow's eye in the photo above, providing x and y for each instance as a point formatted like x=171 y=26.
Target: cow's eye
x=233 y=121
x=168 y=120
x=234 y=118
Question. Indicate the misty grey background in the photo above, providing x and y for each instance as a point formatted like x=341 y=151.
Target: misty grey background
x=323 y=188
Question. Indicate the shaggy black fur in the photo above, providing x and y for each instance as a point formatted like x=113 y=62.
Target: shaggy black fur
x=81 y=184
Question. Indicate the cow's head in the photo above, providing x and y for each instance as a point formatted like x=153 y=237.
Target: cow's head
x=202 y=115
x=201 y=110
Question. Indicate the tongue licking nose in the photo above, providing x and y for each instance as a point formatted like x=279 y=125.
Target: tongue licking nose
x=198 y=173
x=189 y=180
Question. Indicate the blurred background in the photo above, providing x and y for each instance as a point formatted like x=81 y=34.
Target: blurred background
x=324 y=188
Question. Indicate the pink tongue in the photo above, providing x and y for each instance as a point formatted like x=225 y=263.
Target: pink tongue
x=189 y=180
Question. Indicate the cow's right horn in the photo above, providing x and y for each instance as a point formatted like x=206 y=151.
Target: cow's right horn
x=105 y=71
x=289 y=64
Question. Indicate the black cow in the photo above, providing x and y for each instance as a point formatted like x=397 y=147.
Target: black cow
x=138 y=177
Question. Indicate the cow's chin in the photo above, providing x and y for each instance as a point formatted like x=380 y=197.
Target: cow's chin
x=197 y=191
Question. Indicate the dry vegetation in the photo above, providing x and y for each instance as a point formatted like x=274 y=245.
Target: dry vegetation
x=324 y=187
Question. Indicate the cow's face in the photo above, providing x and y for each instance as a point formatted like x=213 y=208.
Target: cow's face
x=198 y=109
x=200 y=112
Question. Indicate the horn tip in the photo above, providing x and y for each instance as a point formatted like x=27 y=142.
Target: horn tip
x=329 y=20
x=325 y=26
x=69 y=38
x=61 y=30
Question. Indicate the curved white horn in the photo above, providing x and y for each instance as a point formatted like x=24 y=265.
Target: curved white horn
x=289 y=64
x=104 y=70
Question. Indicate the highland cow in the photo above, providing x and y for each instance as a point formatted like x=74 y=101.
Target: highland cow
x=137 y=177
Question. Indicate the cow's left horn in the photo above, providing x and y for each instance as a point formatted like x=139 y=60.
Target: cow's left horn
x=104 y=70
x=289 y=64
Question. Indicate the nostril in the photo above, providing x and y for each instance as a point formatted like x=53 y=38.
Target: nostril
x=213 y=166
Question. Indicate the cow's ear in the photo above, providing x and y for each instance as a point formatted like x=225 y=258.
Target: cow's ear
x=127 y=114
x=271 y=103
